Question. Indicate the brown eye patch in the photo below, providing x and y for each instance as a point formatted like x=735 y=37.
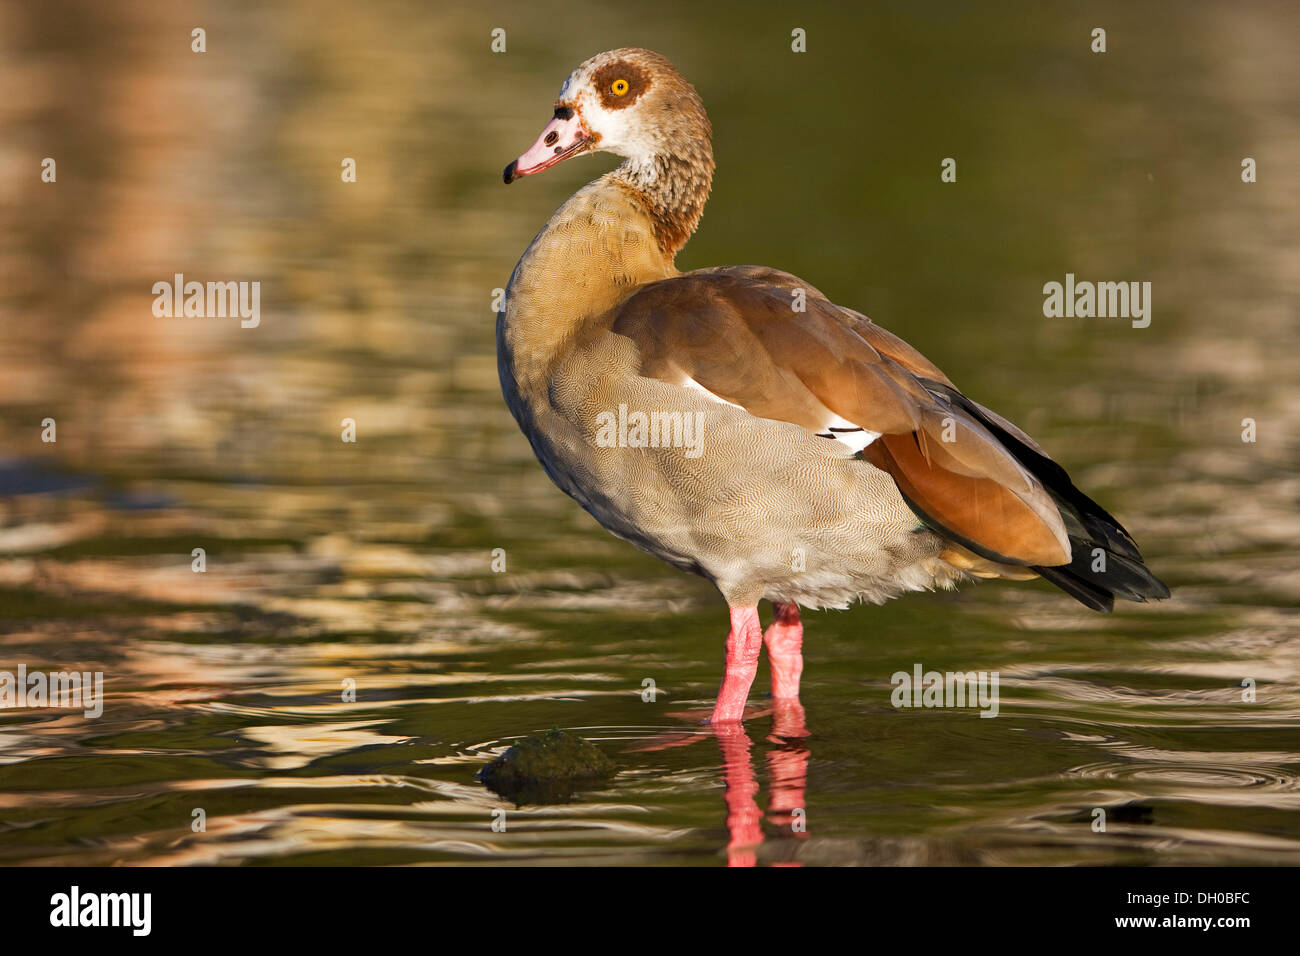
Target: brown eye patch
x=620 y=84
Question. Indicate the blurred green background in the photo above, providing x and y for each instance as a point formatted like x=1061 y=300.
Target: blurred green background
x=372 y=561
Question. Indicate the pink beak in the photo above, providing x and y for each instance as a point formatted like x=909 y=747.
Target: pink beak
x=563 y=137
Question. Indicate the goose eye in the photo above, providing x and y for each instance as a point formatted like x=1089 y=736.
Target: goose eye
x=618 y=87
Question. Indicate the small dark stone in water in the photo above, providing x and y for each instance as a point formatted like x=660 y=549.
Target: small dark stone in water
x=546 y=768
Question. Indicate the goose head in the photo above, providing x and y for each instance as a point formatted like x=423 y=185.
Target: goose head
x=633 y=103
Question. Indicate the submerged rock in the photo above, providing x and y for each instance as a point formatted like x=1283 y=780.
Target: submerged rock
x=547 y=768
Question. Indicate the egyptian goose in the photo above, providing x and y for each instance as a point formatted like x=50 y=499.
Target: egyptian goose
x=736 y=423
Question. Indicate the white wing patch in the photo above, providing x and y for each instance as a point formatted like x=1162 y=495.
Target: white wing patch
x=690 y=383
x=846 y=433
x=852 y=436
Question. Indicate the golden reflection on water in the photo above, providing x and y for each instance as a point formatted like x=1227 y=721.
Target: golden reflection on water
x=371 y=562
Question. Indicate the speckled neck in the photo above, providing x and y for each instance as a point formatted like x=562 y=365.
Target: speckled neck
x=673 y=186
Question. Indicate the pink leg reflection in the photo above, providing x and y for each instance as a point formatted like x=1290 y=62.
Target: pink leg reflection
x=743 y=816
x=787 y=765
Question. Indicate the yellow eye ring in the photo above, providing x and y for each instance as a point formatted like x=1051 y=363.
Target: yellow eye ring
x=618 y=87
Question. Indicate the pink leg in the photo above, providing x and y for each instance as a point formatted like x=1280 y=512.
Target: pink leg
x=744 y=641
x=784 y=641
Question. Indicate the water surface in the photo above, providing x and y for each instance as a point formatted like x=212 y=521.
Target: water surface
x=370 y=564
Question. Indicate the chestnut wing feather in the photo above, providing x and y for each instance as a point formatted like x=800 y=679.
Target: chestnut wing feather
x=737 y=333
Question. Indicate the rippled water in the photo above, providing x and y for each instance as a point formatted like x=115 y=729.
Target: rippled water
x=371 y=563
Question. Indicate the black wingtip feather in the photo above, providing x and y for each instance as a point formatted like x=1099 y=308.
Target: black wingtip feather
x=1079 y=588
x=1096 y=579
x=1093 y=579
